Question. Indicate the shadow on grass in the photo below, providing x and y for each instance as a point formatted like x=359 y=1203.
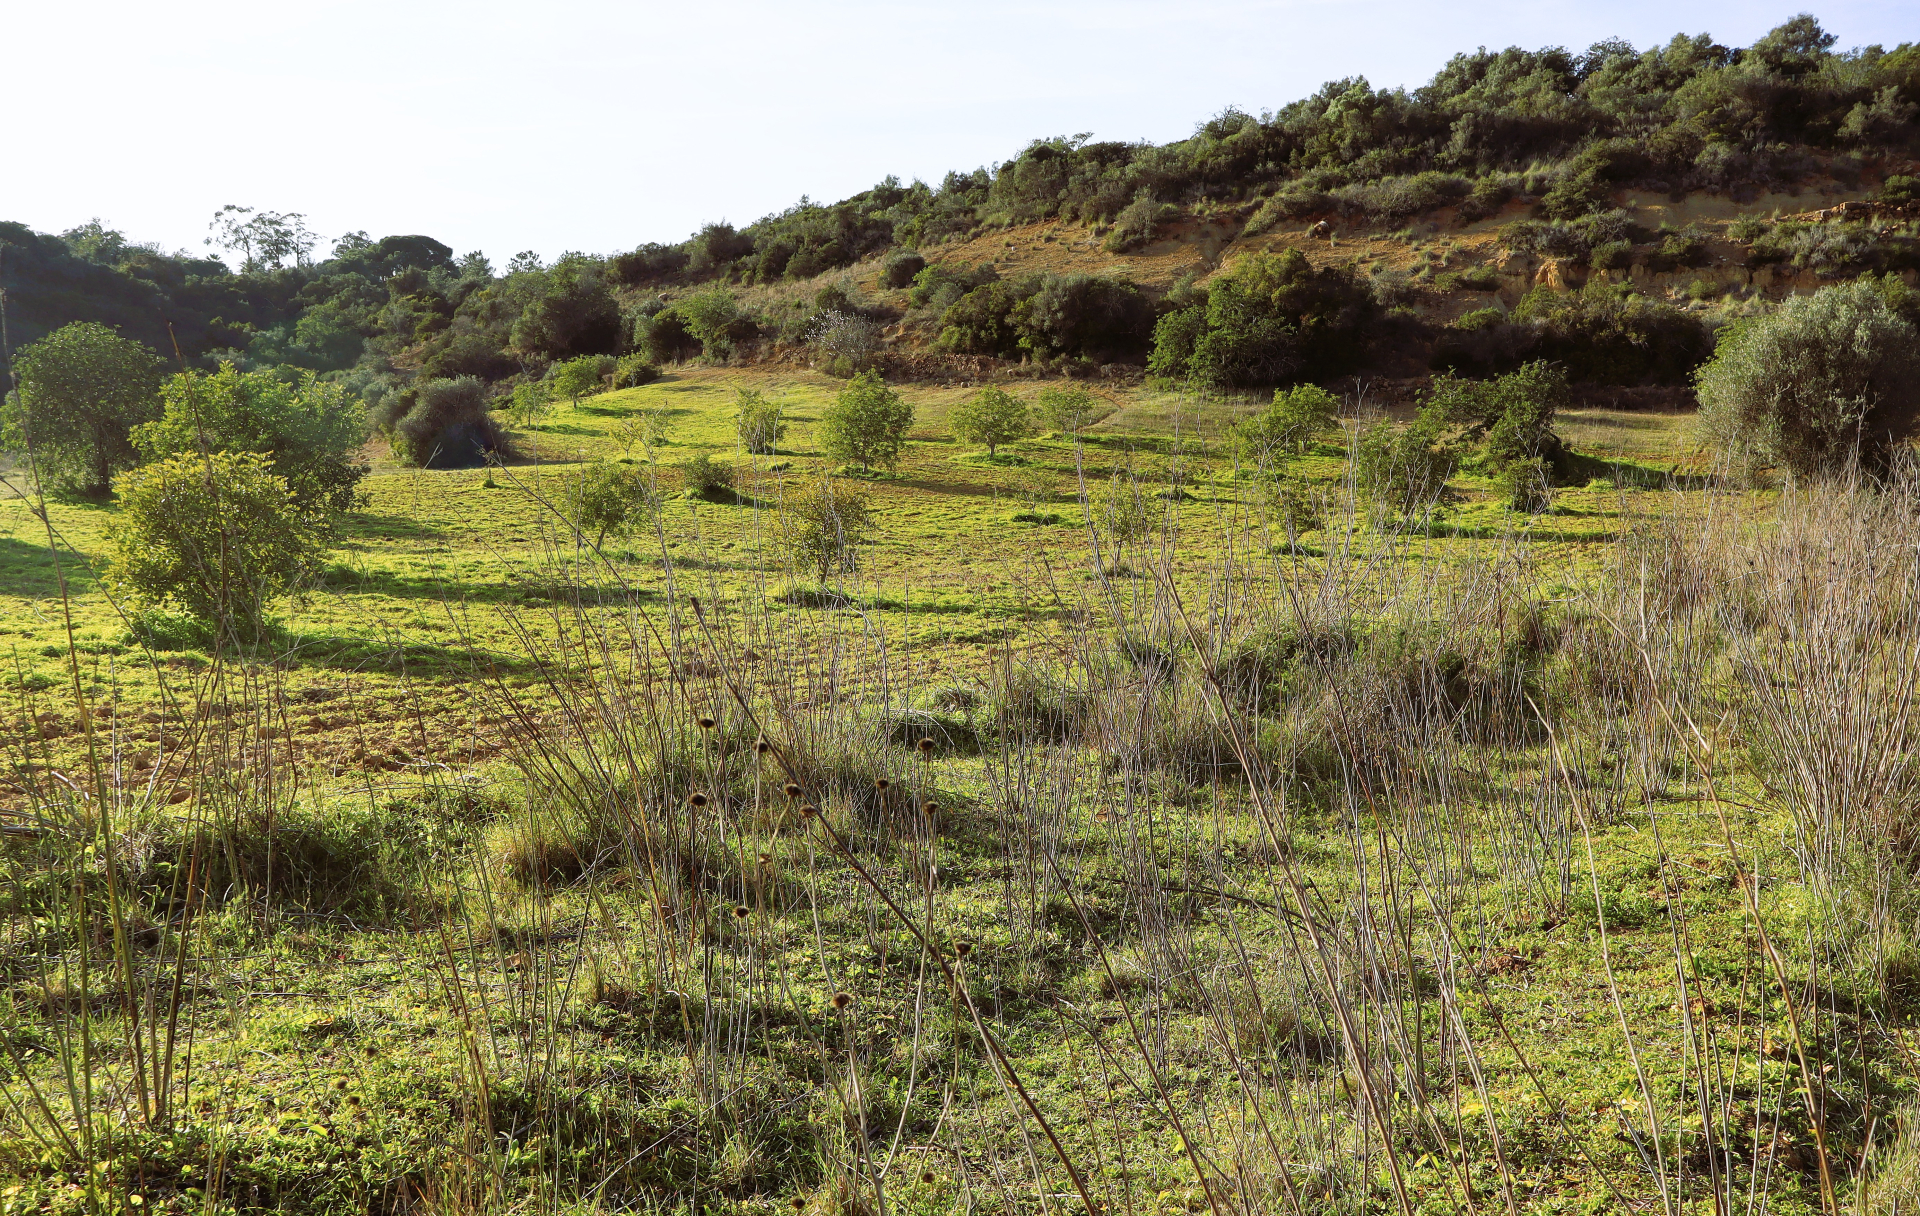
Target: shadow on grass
x=513 y=587
x=367 y=526
x=175 y=633
x=29 y=570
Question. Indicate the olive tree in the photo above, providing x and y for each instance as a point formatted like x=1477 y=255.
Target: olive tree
x=1827 y=379
x=219 y=535
x=821 y=525
x=867 y=423
x=607 y=499
x=83 y=388
x=992 y=416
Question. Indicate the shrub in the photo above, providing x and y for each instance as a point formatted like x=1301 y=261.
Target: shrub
x=714 y=320
x=634 y=370
x=1138 y=222
x=867 y=423
x=821 y=525
x=1068 y=408
x=1268 y=319
x=528 y=402
x=572 y=313
x=1122 y=510
x=1900 y=188
x=707 y=478
x=310 y=431
x=665 y=337
x=1295 y=418
x=1085 y=316
x=901 y=267
x=581 y=377
x=757 y=421
x=83 y=387
x=1603 y=334
x=217 y=535
x=849 y=341
x=992 y=416
x=447 y=426
x=981 y=321
x=606 y=499
x=1827 y=379
x=1512 y=415
x=1573 y=240
x=1404 y=470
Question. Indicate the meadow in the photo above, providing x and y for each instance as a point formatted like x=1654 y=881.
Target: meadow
x=1478 y=861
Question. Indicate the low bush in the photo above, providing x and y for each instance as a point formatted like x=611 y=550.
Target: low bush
x=606 y=499
x=1269 y=319
x=1828 y=379
x=707 y=478
x=446 y=425
x=1603 y=334
x=867 y=422
x=218 y=535
x=1572 y=240
x=822 y=526
x=631 y=371
x=757 y=421
x=992 y=416
x=901 y=267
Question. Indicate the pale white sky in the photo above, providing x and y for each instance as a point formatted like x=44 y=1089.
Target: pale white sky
x=575 y=124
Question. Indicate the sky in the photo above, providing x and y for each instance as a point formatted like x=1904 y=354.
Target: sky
x=597 y=126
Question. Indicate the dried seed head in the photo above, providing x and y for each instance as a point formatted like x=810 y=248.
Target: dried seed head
x=1101 y=815
x=741 y=911
x=761 y=747
x=766 y=859
x=697 y=800
x=882 y=784
x=926 y=747
x=841 y=1000
x=792 y=790
x=809 y=810
x=963 y=948
x=706 y=723
x=694 y=600
x=798 y=1203
x=927 y=1177
x=931 y=809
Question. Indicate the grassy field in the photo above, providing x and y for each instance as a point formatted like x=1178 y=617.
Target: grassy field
x=1489 y=862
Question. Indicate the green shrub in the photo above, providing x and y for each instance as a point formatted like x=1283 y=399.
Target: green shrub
x=1607 y=333
x=707 y=478
x=311 y=431
x=1138 y=222
x=992 y=416
x=1512 y=416
x=821 y=525
x=757 y=422
x=901 y=267
x=83 y=387
x=217 y=535
x=632 y=371
x=665 y=337
x=1268 y=319
x=1404 y=470
x=1293 y=420
x=1083 y=316
x=1827 y=379
x=606 y=499
x=446 y=425
x=1068 y=408
x=1900 y=188
x=581 y=377
x=867 y=422
x=1573 y=240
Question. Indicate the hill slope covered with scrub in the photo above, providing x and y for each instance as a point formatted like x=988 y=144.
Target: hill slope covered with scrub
x=1662 y=172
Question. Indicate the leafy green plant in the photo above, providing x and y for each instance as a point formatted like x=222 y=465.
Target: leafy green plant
x=992 y=416
x=1404 y=469
x=1068 y=408
x=82 y=390
x=218 y=535
x=1828 y=379
x=867 y=422
x=757 y=421
x=606 y=499
x=634 y=370
x=822 y=524
x=707 y=478
x=1291 y=421
x=311 y=430
x=447 y=425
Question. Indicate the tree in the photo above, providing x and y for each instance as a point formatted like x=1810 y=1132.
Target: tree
x=758 y=422
x=993 y=416
x=821 y=525
x=570 y=311
x=310 y=431
x=867 y=423
x=1295 y=418
x=267 y=241
x=607 y=499
x=1827 y=379
x=447 y=426
x=577 y=378
x=217 y=534
x=1068 y=408
x=83 y=388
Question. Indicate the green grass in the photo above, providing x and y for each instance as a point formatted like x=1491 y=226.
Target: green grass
x=407 y=1023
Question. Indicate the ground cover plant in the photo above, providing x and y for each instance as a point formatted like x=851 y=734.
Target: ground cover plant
x=571 y=842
